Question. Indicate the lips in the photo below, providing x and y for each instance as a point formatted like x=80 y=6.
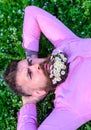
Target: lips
x=47 y=67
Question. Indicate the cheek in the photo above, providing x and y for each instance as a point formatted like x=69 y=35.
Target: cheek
x=39 y=79
x=23 y=80
x=42 y=81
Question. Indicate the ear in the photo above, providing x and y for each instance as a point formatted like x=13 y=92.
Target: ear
x=39 y=93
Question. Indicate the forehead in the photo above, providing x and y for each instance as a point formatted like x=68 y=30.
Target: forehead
x=21 y=71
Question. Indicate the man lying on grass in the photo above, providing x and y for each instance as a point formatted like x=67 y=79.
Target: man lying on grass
x=67 y=72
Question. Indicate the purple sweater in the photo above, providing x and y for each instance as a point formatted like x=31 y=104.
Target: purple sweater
x=73 y=97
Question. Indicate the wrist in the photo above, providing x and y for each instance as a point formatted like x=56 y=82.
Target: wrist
x=27 y=109
x=33 y=102
x=28 y=100
x=30 y=53
x=32 y=56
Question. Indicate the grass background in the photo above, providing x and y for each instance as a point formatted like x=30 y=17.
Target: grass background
x=76 y=14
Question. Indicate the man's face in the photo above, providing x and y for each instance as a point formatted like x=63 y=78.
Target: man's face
x=32 y=77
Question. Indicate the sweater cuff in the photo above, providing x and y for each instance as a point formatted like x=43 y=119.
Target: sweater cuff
x=33 y=45
x=30 y=53
x=27 y=110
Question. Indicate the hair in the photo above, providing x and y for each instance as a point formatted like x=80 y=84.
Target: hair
x=10 y=78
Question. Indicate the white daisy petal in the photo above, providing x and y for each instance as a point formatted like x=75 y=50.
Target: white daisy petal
x=63 y=72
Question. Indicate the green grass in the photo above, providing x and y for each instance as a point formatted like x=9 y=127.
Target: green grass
x=76 y=15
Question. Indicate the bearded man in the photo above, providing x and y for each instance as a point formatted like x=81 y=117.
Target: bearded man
x=66 y=72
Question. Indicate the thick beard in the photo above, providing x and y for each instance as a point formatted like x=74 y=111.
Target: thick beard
x=47 y=73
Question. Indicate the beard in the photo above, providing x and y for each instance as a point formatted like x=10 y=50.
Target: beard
x=45 y=67
x=56 y=68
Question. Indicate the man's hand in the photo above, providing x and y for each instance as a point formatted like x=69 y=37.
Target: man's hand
x=31 y=53
x=29 y=100
x=33 y=99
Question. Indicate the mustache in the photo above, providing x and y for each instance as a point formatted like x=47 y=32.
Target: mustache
x=42 y=66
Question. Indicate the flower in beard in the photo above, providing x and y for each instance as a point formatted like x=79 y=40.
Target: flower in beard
x=58 y=68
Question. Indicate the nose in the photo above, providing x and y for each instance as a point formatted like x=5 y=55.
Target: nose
x=35 y=67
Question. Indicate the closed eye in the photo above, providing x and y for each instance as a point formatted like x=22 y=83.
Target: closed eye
x=30 y=73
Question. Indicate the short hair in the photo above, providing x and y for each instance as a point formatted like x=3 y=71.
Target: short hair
x=10 y=78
